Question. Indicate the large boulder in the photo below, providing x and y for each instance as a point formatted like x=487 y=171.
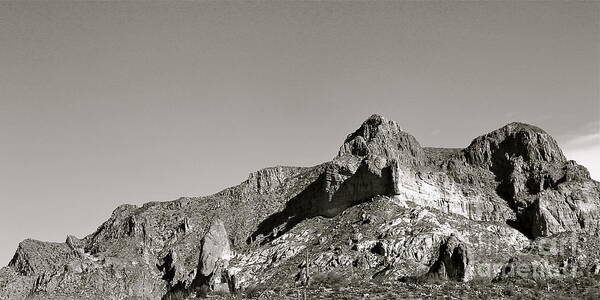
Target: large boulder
x=212 y=271
x=215 y=254
x=215 y=249
x=453 y=262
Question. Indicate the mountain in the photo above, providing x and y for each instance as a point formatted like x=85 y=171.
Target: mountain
x=386 y=218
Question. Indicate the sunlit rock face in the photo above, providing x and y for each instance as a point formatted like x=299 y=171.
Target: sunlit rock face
x=383 y=209
x=548 y=193
x=437 y=190
x=515 y=139
x=571 y=206
x=381 y=137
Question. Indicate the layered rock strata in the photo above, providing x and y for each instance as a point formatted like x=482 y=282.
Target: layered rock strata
x=384 y=208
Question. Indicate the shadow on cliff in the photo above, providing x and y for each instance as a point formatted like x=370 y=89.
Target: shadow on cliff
x=518 y=181
x=327 y=196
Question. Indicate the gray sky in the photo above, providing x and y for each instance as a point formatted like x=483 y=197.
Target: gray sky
x=108 y=103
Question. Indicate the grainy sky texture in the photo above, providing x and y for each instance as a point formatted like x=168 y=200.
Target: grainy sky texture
x=105 y=103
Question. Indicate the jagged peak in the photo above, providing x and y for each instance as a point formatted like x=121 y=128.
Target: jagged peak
x=380 y=136
x=376 y=120
x=365 y=189
x=371 y=126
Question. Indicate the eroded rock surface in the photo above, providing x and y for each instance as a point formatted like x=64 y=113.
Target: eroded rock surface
x=383 y=209
x=454 y=261
x=215 y=255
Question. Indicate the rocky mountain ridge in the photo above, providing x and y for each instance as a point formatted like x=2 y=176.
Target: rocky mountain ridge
x=384 y=209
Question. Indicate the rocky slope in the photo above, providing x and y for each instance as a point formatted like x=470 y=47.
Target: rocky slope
x=383 y=212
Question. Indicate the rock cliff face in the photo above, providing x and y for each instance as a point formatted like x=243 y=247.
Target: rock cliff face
x=383 y=209
x=215 y=255
x=548 y=193
x=378 y=136
x=454 y=261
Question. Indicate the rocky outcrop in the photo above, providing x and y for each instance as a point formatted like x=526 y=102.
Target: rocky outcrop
x=215 y=255
x=35 y=257
x=571 y=206
x=526 y=267
x=382 y=209
x=548 y=193
x=563 y=255
x=211 y=274
x=523 y=159
x=440 y=191
x=453 y=262
x=381 y=137
x=344 y=182
x=269 y=179
x=382 y=238
x=515 y=139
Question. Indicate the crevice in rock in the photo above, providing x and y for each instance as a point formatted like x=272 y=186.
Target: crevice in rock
x=453 y=261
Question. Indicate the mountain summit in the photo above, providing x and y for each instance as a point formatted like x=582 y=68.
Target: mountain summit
x=386 y=217
x=378 y=136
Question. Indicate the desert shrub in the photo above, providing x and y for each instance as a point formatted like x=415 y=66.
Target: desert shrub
x=588 y=280
x=423 y=279
x=332 y=279
x=224 y=294
x=593 y=295
x=542 y=284
x=508 y=291
x=480 y=281
x=254 y=291
x=202 y=291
